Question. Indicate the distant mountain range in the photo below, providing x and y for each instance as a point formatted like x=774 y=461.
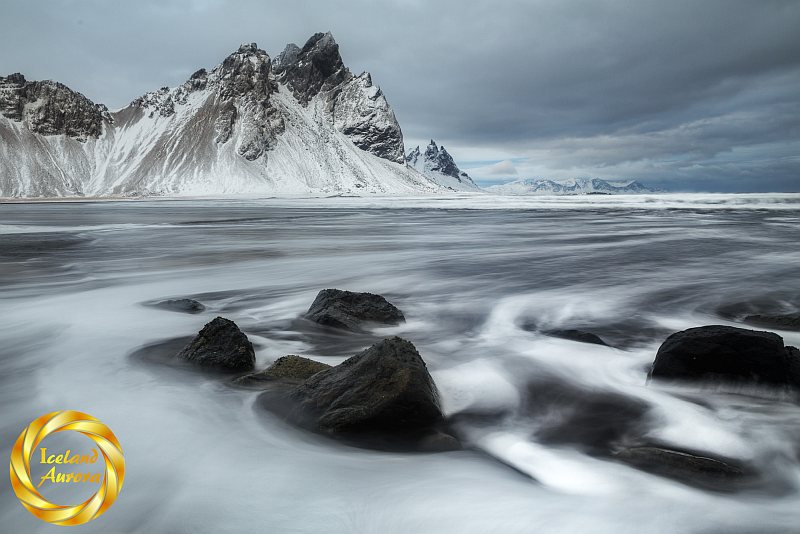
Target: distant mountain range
x=579 y=186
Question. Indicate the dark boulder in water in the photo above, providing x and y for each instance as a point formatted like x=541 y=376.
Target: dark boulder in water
x=383 y=397
x=580 y=336
x=726 y=354
x=179 y=305
x=220 y=345
x=287 y=369
x=385 y=387
x=350 y=311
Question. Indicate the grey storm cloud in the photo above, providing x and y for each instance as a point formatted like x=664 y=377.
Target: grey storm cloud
x=686 y=94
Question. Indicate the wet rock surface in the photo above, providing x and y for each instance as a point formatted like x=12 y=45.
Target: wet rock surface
x=694 y=469
x=287 y=369
x=220 y=345
x=352 y=311
x=779 y=322
x=178 y=305
x=381 y=398
x=580 y=336
x=726 y=354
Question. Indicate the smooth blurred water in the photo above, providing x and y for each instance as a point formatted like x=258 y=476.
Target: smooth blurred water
x=478 y=279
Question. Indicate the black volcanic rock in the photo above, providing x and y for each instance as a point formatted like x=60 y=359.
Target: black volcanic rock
x=220 y=345
x=384 y=389
x=51 y=108
x=349 y=310
x=726 y=354
x=317 y=67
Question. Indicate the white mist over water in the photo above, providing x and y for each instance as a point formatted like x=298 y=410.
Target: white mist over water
x=478 y=278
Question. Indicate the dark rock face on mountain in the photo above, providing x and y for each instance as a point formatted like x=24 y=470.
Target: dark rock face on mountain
x=441 y=160
x=350 y=311
x=51 y=108
x=436 y=162
x=727 y=354
x=220 y=345
x=290 y=369
x=359 y=109
x=386 y=388
x=242 y=85
x=316 y=68
x=362 y=113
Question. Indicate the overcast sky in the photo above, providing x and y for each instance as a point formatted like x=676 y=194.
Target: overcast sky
x=682 y=94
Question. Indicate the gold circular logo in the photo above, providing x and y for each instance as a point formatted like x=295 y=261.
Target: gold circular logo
x=20 y=467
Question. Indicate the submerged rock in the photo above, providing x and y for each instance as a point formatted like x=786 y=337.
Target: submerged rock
x=689 y=468
x=726 y=354
x=576 y=335
x=350 y=311
x=287 y=369
x=779 y=322
x=595 y=421
x=220 y=345
x=179 y=305
x=383 y=397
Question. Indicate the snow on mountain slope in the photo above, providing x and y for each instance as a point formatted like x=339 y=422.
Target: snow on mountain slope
x=438 y=165
x=245 y=127
x=578 y=186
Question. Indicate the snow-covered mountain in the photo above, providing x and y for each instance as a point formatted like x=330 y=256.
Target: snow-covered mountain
x=438 y=165
x=579 y=186
x=301 y=124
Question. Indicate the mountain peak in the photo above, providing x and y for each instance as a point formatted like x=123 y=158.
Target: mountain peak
x=245 y=48
x=439 y=165
x=51 y=108
x=315 y=68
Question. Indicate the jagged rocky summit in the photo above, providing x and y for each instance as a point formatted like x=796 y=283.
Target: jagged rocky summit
x=438 y=165
x=299 y=124
x=578 y=186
